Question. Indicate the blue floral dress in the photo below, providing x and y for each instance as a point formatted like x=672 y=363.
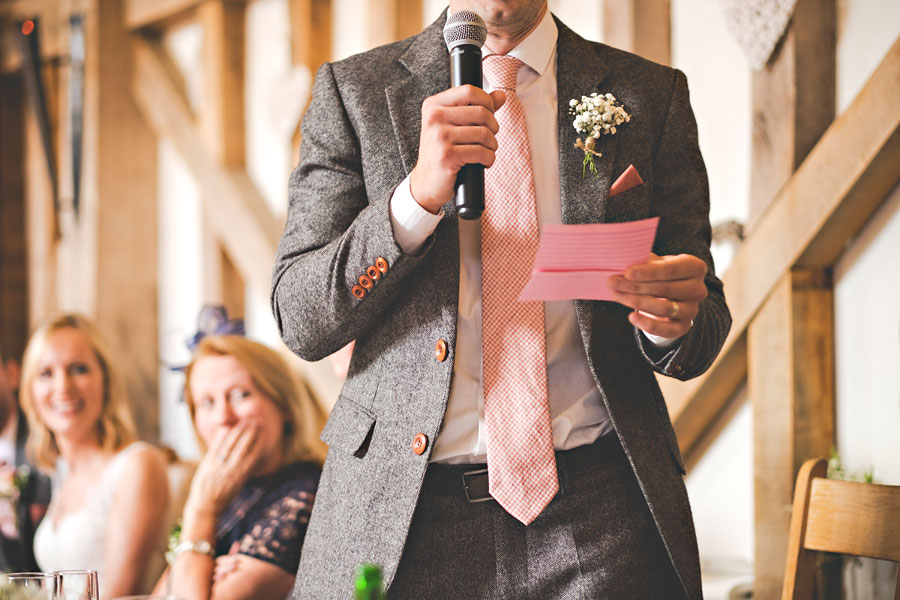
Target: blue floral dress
x=268 y=518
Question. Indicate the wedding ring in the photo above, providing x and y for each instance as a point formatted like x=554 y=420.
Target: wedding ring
x=675 y=310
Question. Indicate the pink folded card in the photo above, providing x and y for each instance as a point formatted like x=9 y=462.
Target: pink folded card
x=573 y=262
x=629 y=178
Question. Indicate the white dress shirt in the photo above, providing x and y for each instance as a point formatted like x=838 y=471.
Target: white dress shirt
x=577 y=413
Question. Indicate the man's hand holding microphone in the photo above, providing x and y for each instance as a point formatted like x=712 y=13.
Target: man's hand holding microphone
x=458 y=127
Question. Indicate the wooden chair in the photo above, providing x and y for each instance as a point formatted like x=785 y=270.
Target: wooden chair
x=862 y=519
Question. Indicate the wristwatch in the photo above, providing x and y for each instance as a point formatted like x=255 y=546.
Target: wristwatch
x=195 y=546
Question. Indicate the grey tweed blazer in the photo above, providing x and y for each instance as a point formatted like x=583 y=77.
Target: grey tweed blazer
x=360 y=140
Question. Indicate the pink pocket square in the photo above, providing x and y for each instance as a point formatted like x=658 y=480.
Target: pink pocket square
x=627 y=180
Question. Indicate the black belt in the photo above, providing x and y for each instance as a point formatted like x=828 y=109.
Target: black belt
x=470 y=482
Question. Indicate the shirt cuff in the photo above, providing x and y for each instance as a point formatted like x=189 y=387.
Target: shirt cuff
x=659 y=341
x=412 y=224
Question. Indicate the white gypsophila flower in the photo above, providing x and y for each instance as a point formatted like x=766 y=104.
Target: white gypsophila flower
x=595 y=115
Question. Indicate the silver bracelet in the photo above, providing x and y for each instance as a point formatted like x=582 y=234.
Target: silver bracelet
x=195 y=546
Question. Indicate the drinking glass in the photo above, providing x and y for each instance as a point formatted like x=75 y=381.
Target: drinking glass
x=80 y=584
x=29 y=586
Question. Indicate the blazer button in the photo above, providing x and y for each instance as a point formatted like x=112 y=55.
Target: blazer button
x=440 y=350
x=366 y=282
x=373 y=273
x=358 y=291
x=420 y=443
x=382 y=265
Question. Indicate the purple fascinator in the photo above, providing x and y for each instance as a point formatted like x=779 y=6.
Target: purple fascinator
x=213 y=320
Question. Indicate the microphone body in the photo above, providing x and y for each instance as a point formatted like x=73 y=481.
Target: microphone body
x=465 y=69
x=465 y=33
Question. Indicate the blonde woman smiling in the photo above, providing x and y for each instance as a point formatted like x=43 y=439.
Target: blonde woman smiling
x=111 y=492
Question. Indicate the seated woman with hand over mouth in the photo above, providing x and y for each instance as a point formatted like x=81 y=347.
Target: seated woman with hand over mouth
x=251 y=496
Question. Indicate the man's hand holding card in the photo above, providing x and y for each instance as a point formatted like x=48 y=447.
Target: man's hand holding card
x=613 y=261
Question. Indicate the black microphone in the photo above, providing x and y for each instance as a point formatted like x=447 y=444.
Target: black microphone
x=464 y=34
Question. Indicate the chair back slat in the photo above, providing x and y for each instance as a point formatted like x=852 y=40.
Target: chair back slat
x=854 y=518
x=862 y=519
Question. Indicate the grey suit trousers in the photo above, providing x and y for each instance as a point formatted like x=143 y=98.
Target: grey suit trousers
x=596 y=539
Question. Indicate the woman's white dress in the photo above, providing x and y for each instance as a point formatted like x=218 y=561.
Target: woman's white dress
x=78 y=539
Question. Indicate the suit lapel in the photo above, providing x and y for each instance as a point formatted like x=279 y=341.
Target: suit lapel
x=428 y=63
x=579 y=72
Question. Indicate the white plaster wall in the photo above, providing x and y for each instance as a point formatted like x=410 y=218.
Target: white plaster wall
x=719 y=82
x=720 y=487
x=179 y=292
x=275 y=94
x=351 y=28
x=867 y=278
x=867 y=337
x=866 y=29
x=584 y=18
x=180 y=264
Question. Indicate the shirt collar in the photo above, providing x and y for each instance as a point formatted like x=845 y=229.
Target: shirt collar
x=537 y=49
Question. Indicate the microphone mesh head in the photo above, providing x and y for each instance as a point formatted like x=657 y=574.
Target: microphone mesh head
x=464 y=27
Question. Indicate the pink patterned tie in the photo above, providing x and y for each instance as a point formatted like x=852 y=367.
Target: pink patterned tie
x=521 y=463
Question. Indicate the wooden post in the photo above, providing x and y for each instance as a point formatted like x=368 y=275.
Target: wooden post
x=793 y=101
x=790 y=341
x=120 y=164
x=791 y=384
x=222 y=124
x=13 y=267
x=640 y=26
x=41 y=221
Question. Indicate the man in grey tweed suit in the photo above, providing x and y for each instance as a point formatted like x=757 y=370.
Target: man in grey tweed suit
x=373 y=251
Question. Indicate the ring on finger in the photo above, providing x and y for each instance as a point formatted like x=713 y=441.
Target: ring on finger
x=675 y=310
x=219 y=458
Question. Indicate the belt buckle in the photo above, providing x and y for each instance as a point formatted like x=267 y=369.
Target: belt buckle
x=465 y=482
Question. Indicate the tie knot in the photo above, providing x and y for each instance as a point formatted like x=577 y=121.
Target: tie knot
x=502 y=71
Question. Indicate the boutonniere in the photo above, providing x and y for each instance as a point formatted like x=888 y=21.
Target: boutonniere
x=595 y=115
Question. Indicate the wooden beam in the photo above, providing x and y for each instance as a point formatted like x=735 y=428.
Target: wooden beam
x=840 y=184
x=791 y=386
x=157 y=13
x=222 y=122
x=240 y=217
x=121 y=163
x=311 y=27
x=222 y=283
x=640 y=26
x=222 y=115
x=793 y=101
